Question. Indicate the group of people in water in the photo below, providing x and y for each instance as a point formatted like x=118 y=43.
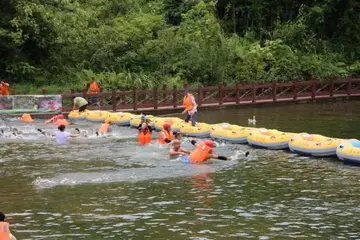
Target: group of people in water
x=203 y=151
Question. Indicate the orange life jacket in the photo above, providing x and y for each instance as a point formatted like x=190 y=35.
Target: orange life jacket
x=4 y=231
x=144 y=136
x=104 y=128
x=200 y=154
x=94 y=88
x=61 y=122
x=168 y=135
x=187 y=102
x=5 y=89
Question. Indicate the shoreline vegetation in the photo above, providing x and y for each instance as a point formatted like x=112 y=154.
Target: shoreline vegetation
x=60 y=44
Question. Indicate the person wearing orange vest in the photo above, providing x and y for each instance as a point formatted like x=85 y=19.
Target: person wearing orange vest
x=5 y=233
x=93 y=89
x=203 y=152
x=190 y=107
x=58 y=120
x=4 y=88
x=105 y=127
x=166 y=135
x=145 y=133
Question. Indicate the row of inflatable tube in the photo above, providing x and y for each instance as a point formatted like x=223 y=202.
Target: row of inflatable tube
x=306 y=144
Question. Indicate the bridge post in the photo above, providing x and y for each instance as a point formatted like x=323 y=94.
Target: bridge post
x=175 y=97
x=155 y=97
x=220 y=93
x=294 y=90
x=135 y=96
x=101 y=99
x=253 y=93
x=274 y=90
x=237 y=93
x=349 y=86
x=200 y=95
x=113 y=100
x=331 y=88
x=313 y=88
x=164 y=95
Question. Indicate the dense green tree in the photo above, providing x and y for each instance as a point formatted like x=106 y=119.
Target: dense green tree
x=146 y=43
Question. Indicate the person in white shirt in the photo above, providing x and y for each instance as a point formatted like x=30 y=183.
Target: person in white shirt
x=61 y=136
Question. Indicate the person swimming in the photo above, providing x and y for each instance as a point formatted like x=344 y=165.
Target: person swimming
x=61 y=136
x=5 y=233
x=176 y=150
x=203 y=152
x=166 y=135
x=144 y=132
x=105 y=128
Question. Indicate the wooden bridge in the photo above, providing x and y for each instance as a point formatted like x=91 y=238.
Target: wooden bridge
x=170 y=99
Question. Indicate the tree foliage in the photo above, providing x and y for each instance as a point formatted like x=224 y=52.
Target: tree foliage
x=146 y=43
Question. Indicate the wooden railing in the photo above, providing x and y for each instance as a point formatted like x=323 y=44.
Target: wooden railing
x=165 y=98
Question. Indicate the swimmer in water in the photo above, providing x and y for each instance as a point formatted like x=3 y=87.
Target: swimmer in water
x=144 y=132
x=5 y=229
x=62 y=136
x=203 y=152
x=176 y=150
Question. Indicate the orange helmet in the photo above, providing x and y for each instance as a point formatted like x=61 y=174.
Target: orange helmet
x=166 y=125
x=209 y=143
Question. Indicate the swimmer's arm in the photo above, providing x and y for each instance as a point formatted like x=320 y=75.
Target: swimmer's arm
x=184 y=151
x=223 y=158
x=173 y=153
x=193 y=142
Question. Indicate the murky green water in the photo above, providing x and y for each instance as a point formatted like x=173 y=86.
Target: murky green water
x=110 y=188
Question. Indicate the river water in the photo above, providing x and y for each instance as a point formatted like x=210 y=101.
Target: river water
x=109 y=188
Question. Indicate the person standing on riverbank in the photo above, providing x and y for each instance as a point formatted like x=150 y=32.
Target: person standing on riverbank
x=190 y=107
x=5 y=233
x=93 y=89
x=81 y=103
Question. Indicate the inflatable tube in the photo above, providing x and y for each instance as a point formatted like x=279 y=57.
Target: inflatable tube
x=136 y=120
x=175 y=123
x=269 y=139
x=76 y=115
x=97 y=116
x=314 y=145
x=232 y=134
x=201 y=130
x=349 y=151
x=120 y=118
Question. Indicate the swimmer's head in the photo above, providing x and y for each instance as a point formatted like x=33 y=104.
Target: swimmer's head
x=178 y=136
x=166 y=126
x=108 y=121
x=209 y=143
x=2 y=217
x=61 y=128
